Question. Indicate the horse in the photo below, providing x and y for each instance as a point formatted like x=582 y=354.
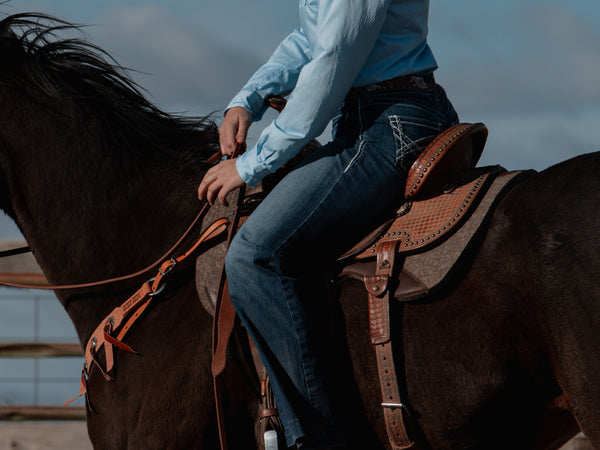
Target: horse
x=101 y=183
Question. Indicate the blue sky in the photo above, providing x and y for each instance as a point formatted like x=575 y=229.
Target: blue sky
x=526 y=68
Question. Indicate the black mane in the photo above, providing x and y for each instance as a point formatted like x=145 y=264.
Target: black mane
x=36 y=57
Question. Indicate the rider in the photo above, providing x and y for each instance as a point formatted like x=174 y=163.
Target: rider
x=367 y=64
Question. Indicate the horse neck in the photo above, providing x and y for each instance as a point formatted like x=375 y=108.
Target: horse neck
x=86 y=215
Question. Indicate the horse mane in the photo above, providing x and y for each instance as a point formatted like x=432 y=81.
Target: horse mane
x=74 y=70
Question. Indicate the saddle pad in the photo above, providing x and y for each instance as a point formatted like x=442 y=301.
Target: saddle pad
x=434 y=268
x=429 y=271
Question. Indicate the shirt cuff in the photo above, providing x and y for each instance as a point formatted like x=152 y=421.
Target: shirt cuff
x=251 y=101
x=251 y=173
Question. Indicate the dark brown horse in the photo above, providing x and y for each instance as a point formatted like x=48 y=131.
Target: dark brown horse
x=101 y=183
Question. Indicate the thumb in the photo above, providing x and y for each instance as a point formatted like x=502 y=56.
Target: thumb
x=242 y=133
x=244 y=122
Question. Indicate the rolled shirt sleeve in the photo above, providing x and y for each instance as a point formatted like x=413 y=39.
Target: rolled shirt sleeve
x=278 y=76
x=318 y=72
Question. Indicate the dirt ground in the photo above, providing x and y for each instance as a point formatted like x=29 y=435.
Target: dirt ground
x=51 y=435
x=72 y=435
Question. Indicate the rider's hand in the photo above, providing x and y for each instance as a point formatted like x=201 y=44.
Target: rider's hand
x=219 y=181
x=234 y=130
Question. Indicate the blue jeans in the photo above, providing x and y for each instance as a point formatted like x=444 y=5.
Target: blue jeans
x=319 y=209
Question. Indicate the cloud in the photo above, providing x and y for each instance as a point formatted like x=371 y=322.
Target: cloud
x=564 y=54
x=518 y=57
x=177 y=64
x=528 y=72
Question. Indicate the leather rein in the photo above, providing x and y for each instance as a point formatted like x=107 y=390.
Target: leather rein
x=108 y=281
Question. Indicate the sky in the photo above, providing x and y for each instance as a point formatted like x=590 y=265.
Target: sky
x=528 y=69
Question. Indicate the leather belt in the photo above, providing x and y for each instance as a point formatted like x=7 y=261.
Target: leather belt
x=405 y=82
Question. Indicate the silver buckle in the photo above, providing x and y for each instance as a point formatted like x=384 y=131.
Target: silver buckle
x=396 y=406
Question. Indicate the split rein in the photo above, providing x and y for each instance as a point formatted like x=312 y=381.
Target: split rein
x=161 y=261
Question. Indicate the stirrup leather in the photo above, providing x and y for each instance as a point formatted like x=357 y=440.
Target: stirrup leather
x=378 y=288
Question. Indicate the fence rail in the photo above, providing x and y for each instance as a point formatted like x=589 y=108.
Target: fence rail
x=38 y=350
x=17 y=413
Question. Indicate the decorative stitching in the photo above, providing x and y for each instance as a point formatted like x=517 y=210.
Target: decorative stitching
x=361 y=139
x=404 y=145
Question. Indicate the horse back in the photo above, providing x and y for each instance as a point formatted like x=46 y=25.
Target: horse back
x=507 y=353
x=550 y=226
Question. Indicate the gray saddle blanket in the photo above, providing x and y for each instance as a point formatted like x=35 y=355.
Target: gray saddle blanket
x=432 y=269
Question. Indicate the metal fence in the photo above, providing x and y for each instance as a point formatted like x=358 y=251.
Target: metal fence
x=40 y=357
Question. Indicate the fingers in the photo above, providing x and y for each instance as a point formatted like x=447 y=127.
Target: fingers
x=210 y=186
x=234 y=130
x=222 y=196
x=213 y=191
x=219 y=181
x=207 y=188
x=203 y=188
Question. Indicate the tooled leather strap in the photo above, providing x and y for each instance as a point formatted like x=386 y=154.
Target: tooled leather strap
x=122 y=318
x=379 y=322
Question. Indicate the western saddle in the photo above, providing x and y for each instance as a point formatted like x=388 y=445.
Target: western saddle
x=447 y=201
x=434 y=207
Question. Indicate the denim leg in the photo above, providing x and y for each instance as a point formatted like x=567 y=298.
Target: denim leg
x=323 y=205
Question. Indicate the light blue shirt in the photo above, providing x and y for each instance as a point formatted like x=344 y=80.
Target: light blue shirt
x=340 y=44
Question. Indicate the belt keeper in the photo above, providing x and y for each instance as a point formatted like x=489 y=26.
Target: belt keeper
x=263 y=388
x=269 y=412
